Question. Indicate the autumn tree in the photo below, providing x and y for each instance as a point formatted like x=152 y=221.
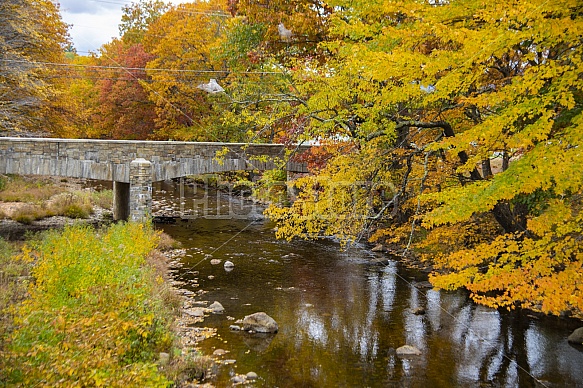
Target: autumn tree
x=265 y=41
x=125 y=111
x=79 y=104
x=183 y=42
x=465 y=121
x=32 y=38
x=137 y=18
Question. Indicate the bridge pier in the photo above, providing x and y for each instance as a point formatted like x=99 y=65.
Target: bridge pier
x=140 y=190
x=133 y=201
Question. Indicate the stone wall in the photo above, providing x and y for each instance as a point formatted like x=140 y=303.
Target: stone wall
x=110 y=159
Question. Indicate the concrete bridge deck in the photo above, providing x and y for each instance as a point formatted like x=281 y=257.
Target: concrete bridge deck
x=134 y=165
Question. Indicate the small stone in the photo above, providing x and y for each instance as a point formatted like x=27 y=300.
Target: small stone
x=215 y=261
x=238 y=379
x=234 y=328
x=419 y=311
x=211 y=277
x=408 y=350
x=229 y=264
x=227 y=362
x=260 y=322
x=251 y=376
x=219 y=352
x=423 y=284
x=195 y=311
x=217 y=308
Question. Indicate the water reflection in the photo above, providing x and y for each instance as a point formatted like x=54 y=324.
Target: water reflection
x=342 y=316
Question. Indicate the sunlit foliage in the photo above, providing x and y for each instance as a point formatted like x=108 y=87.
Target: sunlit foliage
x=457 y=88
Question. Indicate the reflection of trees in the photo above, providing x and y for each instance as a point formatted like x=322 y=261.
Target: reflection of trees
x=343 y=316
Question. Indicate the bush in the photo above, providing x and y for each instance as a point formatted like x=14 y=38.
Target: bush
x=95 y=316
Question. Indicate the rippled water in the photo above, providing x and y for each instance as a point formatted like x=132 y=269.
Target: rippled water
x=342 y=314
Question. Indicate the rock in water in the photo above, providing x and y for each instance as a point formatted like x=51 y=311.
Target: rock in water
x=576 y=337
x=419 y=311
x=260 y=323
x=408 y=350
x=217 y=308
x=228 y=264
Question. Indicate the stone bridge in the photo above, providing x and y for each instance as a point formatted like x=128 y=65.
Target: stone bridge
x=134 y=165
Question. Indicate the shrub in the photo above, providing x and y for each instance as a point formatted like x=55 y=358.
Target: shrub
x=95 y=316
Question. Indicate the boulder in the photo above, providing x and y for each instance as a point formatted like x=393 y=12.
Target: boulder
x=217 y=308
x=576 y=337
x=408 y=350
x=260 y=323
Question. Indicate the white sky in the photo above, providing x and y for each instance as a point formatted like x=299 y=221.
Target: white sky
x=94 y=22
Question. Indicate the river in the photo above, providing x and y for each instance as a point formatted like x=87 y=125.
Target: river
x=342 y=314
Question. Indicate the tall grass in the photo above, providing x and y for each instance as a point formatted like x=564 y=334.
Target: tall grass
x=42 y=199
x=97 y=314
x=19 y=189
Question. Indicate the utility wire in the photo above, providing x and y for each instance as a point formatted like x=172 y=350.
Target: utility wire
x=126 y=69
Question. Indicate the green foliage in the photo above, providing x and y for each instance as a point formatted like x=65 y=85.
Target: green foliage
x=240 y=48
x=272 y=187
x=40 y=198
x=93 y=295
x=102 y=198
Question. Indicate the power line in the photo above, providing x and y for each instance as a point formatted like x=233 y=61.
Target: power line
x=145 y=69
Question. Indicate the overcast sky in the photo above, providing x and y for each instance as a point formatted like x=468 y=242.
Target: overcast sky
x=94 y=22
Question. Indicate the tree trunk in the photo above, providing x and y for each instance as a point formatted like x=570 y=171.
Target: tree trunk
x=512 y=218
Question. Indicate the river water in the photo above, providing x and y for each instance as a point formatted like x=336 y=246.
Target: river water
x=342 y=314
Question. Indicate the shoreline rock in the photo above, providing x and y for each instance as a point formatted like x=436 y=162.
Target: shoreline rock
x=576 y=337
x=260 y=323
